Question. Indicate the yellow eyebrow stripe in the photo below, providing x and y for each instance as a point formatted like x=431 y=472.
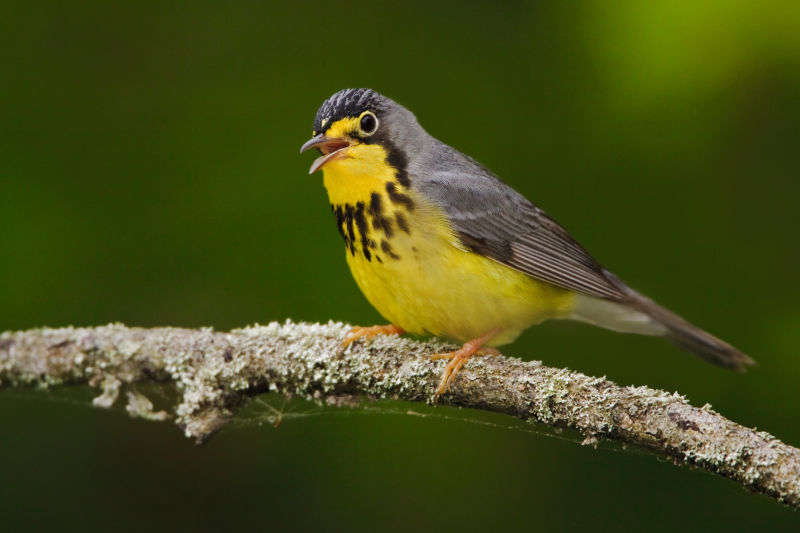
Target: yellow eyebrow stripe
x=342 y=127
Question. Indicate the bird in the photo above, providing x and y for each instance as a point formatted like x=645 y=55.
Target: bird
x=441 y=246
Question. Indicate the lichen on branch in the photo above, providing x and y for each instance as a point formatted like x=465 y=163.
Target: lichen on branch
x=216 y=373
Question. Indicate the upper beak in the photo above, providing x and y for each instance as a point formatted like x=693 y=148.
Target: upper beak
x=331 y=148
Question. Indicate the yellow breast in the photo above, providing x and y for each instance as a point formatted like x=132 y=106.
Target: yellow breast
x=412 y=268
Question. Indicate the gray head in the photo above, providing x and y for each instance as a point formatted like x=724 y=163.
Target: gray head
x=363 y=116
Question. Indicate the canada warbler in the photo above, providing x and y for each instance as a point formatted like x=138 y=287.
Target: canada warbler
x=440 y=246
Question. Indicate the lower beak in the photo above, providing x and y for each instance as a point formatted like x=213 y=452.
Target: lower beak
x=331 y=148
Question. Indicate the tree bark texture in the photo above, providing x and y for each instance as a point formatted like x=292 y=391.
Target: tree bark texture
x=218 y=372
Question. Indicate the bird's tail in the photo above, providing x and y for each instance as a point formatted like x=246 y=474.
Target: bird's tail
x=639 y=314
x=688 y=336
x=691 y=338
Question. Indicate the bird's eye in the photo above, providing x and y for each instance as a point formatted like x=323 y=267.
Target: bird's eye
x=368 y=124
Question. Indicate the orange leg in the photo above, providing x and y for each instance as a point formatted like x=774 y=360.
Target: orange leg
x=369 y=332
x=459 y=358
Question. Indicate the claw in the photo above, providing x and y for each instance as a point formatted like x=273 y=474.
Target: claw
x=369 y=332
x=459 y=358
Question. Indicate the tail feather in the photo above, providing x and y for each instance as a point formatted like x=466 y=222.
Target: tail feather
x=686 y=335
x=691 y=338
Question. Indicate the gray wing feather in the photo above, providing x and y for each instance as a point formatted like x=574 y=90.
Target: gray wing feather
x=493 y=220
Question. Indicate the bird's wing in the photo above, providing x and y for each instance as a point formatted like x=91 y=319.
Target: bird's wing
x=494 y=220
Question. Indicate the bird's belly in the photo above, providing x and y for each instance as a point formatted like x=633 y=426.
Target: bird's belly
x=434 y=286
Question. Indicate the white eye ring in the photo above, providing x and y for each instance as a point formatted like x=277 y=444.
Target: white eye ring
x=368 y=123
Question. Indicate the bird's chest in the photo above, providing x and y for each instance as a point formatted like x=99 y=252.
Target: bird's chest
x=376 y=215
x=393 y=237
x=399 y=258
x=386 y=232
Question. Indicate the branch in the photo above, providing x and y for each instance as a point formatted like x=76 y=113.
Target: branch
x=217 y=373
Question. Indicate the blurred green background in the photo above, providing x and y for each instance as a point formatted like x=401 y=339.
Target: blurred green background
x=149 y=174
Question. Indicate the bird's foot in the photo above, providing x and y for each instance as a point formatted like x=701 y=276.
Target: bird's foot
x=369 y=332
x=459 y=358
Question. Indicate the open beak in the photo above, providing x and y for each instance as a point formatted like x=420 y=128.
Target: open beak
x=331 y=148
